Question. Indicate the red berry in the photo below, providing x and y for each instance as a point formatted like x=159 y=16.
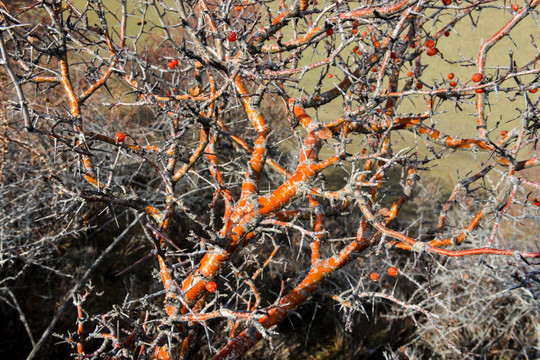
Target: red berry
x=479 y=91
x=232 y=36
x=211 y=286
x=451 y=76
x=453 y=83
x=392 y=271
x=355 y=49
x=413 y=45
x=120 y=137
x=419 y=86
x=430 y=43
x=447 y=2
x=504 y=132
x=477 y=77
x=354 y=31
x=515 y=7
x=432 y=51
x=447 y=34
x=374 y=276
x=536 y=201
x=238 y=8
x=330 y=32
x=355 y=24
x=409 y=74
x=533 y=91
x=172 y=64
x=374 y=69
x=330 y=75
x=392 y=55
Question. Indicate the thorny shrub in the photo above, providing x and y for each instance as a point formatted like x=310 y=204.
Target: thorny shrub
x=218 y=167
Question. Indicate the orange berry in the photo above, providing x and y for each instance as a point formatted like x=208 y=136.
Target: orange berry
x=172 y=64
x=432 y=51
x=377 y=44
x=354 y=31
x=409 y=74
x=120 y=137
x=232 y=36
x=365 y=33
x=211 y=286
x=238 y=8
x=453 y=83
x=533 y=91
x=479 y=91
x=392 y=271
x=536 y=201
x=477 y=77
x=168 y=93
x=451 y=76
x=430 y=43
x=355 y=24
x=330 y=75
x=355 y=49
x=504 y=132
x=374 y=276
x=374 y=69
x=515 y=7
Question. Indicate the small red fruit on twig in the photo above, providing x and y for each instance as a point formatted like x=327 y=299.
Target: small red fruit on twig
x=536 y=201
x=533 y=91
x=392 y=271
x=479 y=91
x=451 y=76
x=232 y=36
x=432 y=51
x=453 y=83
x=430 y=43
x=120 y=137
x=172 y=64
x=374 y=276
x=515 y=7
x=330 y=32
x=477 y=77
x=211 y=286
